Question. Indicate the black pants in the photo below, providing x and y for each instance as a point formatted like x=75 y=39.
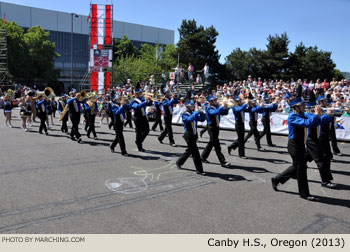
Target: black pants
x=128 y=119
x=267 y=130
x=253 y=131
x=158 y=122
x=64 y=127
x=333 y=137
x=314 y=152
x=213 y=142
x=327 y=155
x=119 y=137
x=75 y=119
x=42 y=117
x=192 y=149
x=298 y=169
x=240 y=141
x=168 y=130
x=205 y=128
x=91 y=128
x=111 y=124
x=86 y=121
x=142 y=130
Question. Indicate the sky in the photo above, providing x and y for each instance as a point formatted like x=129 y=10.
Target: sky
x=240 y=23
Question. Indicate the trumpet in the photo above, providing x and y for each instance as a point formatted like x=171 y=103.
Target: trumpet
x=227 y=103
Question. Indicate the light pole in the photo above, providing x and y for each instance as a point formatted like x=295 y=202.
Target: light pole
x=71 y=50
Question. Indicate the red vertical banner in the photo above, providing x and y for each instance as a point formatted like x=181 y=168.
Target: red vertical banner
x=107 y=81
x=93 y=35
x=93 y=81
x=108 y=25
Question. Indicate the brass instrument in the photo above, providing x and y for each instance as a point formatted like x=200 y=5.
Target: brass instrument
x=91 y=104
x=63 y=113
x=10 y=93
x=47 y=93
x=83 y=95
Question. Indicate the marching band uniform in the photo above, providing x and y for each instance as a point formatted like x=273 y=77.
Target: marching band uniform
x=61 y=105
x=110 y=114
x=91 y=109
x=213 y=118
x=253 y=117
x=141 y=122
x=266 y=122
x=119 y=117
x=205 y=128
x=190 y=119
x=239 y=111
x=41 y=107
x=157 y=107
x=297 y=124
x=74 y=108
x=168 y=117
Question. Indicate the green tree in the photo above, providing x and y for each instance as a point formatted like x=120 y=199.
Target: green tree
x=168 y=58
x=197 y=46
x=42 y=53
x=277 y=56
x=17 y=52
x=123 y=47
x=237 y=64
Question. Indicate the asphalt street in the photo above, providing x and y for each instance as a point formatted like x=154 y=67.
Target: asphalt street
x=51 y=184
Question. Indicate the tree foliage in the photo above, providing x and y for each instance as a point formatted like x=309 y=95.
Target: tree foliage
x=277 y=62
x=197 y=46
x=31 y=54
x=123 y=47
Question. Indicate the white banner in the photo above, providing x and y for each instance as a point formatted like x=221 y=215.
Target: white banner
x=279 y=123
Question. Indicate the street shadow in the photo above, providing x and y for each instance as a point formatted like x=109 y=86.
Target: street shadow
x=95 y=143
x=339 y=186
x=227 y=177
x=248 y=169
x=185 y=146
x=163 y=153
x=325 y=200
x=270 y=160
x=144 y=157
x=270 y=151
x=340 y=161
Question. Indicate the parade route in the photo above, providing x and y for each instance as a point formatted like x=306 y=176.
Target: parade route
x=51 y=184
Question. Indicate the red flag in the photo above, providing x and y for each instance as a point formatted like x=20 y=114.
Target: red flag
x=87 y=20
x=4 y=18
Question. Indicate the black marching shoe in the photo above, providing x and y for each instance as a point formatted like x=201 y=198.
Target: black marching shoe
x=172 y=144
x=274 y=183
x=205 y=160
x=229 y=149
x=125 y=154
x=260 y=149
x=338 y=153
x=226 y=164
x=141 y=149
x=112 y=149
x=79 y=140
x=329 y=185
x=272 y=145
x=310 y=198
x=201 y=173
x=46 y=133
x=178 y=166
x=161 y=141
x=243 y=157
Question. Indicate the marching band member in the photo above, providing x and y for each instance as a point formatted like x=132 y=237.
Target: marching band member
x=61 y=105
x=158 y=108
x=74 y=108
x=214 y=111
x=24 y=112
x=205 y=128
x=119 y=109
x=7 y=110
x=190 y=118
x=41 y=107
x=168 y=117
x=239 y=111
x=327 y=155
x=266 y=113
x=110 y=112
x=298 y=120
x=91 y=109
x=142 y=127
x=253 y=117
